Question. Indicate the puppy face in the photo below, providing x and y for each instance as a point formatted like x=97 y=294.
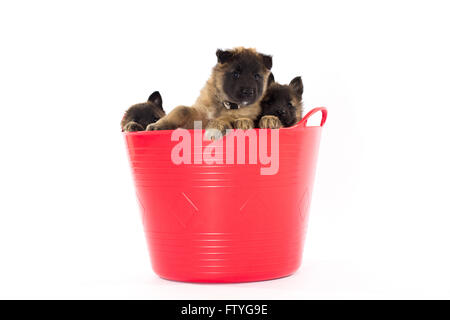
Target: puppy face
x=242 y=75
x=284 y=101
x=140 y=115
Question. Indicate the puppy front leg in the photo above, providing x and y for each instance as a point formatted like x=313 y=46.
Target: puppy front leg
x=217 y=128
x=180 y=117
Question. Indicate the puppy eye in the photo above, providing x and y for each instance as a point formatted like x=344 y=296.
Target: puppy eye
x=257 y=76
x=289 y=104
x=236 y=75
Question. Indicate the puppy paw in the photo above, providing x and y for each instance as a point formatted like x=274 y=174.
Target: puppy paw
x=213 y=134
x=270 y=122
x=243 y=123
x=132 y=126
x=216 y=129
x=159 y=125
x=152 y=127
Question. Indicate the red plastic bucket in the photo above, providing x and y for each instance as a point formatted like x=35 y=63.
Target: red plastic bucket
x=210 y=222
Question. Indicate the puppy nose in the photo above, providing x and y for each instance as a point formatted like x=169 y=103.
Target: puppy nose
x=247 y=91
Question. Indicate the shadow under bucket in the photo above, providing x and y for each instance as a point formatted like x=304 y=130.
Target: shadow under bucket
x=207 y=221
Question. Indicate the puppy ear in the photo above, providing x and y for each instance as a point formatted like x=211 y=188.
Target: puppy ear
x=156 y=98
x=297 y=85
x=271 y=79
x=267 y=61
x=223 y=56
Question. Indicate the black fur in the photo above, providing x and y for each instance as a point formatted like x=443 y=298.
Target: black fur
x=156 y=99
x=267 y=60
x=243 y=81
x=139 y=116
x=283 y=101
x=271 y=79
x=223 y=56
x=297 y=85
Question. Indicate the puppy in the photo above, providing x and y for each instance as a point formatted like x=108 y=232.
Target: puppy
x=230 y=98
x=281 y=105
x=140 y=115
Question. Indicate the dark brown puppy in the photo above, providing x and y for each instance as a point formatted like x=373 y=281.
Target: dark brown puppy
x=281 y=105
x=140 y=115
x=230 y=98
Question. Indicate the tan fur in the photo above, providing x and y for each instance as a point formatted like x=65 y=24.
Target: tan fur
x=273 y=122
x=299 y=108
x=270 y=122
x=209 y=108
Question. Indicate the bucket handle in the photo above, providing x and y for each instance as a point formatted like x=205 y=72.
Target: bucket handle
x=324 y=111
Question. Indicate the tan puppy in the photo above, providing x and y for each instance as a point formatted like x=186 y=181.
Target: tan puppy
x=230 y=98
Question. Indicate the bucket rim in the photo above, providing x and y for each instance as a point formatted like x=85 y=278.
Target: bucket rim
x=302 y=124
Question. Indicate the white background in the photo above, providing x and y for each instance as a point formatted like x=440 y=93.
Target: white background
x=69 y=223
